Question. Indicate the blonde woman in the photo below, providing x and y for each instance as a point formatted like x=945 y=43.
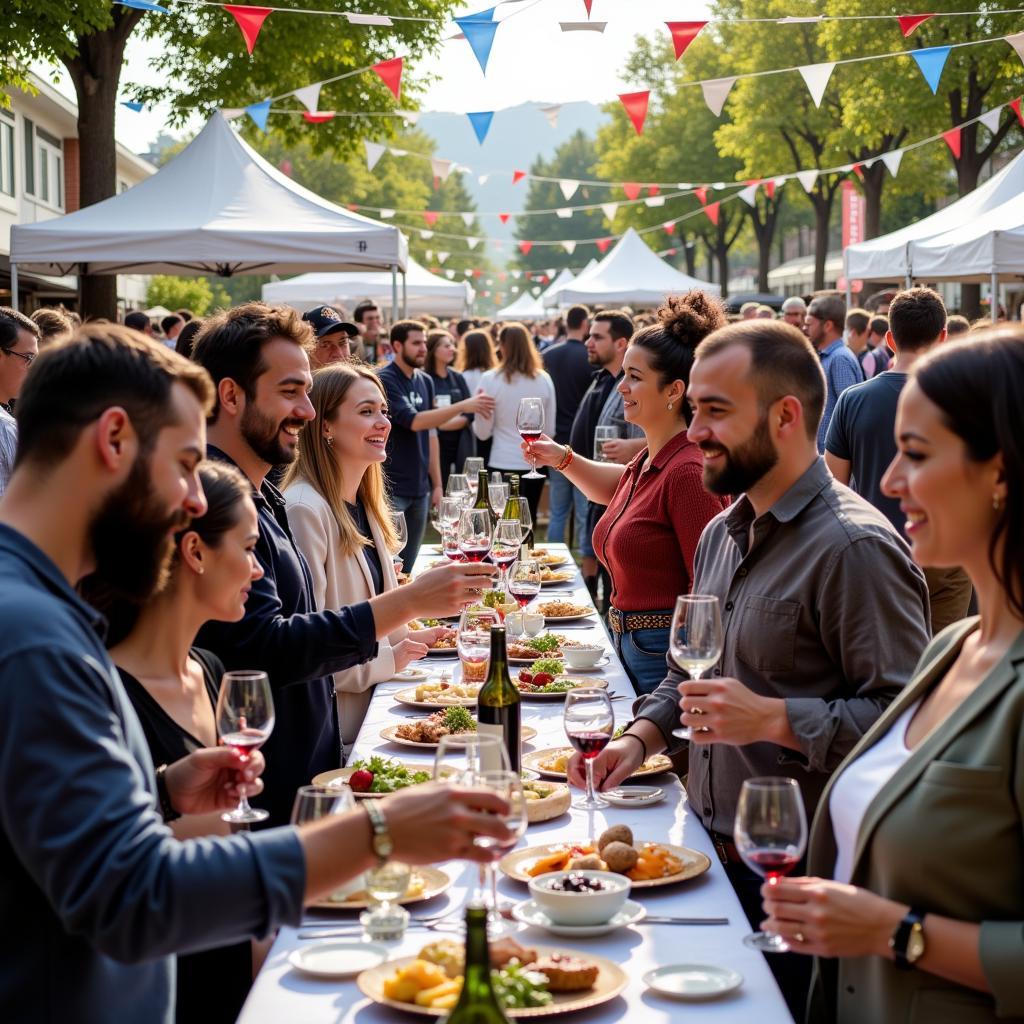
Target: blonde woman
x=339 y=514
x=521 y=375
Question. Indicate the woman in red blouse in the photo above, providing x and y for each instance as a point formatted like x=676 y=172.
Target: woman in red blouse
x=657 y=504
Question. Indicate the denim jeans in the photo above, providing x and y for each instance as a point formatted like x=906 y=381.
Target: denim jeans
x=642 y=653
x=416 y=510
x=564 y=498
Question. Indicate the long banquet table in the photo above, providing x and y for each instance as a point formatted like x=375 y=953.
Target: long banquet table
x=281 y=994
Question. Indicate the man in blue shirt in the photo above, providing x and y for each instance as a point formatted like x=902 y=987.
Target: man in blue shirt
x=413 y=467
x=96 y=894
x=824 y=329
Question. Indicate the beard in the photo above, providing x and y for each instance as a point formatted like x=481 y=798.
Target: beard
x=263 y=436
x=132 y=538
x=744 y=466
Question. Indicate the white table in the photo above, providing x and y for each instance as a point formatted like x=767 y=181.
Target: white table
x=281 y=995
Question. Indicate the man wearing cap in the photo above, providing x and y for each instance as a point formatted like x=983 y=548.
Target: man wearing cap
x=333 y=337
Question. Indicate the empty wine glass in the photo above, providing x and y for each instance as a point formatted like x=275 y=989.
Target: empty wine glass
x=589 y=723
x=471 y=468
x=530 y=424
x=473 y=641
x=695 y=638
x=771 y=836
x=475 y=533
x=315 y=802
x=245 y=719
x=496 y=477
x=498 y=496
x=461 y=755
x=505 y=544
x=526 y=519
x=401 y=537
x=457 y=485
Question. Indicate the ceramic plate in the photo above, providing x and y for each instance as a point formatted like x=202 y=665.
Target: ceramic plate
x=441 y=652
x=634 y=796
x=596 y=684
x=529 y=913
x=391 y=735
x=341 y=775
x=410 y=675
x=337 y=959
x=432 y=881
x=693 y=982
x=554 y=620
x=408 y=698
x=652 y=766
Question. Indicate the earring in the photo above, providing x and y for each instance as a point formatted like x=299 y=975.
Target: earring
x=669 y=406
x=996 y=503
x=200 y=570
x=330 y=441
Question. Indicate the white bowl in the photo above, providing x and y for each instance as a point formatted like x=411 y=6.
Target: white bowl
x=580 y=908
x=583 y=656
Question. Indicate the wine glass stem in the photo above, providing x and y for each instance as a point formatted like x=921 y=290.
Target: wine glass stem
x=492 y=878
x=590 y=780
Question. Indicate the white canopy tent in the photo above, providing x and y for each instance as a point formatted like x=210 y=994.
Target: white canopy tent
x=631 y=273
x=423 y=292
x=217 y=208
x=526 y=307
x=894 y=257
x=549 y=297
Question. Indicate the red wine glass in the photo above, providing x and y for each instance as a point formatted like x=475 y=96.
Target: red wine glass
x=475 y=533
x=589 y=723
x=530 y=424
x=245 y=719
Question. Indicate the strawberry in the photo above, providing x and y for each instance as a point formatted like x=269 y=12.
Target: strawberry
x=525 y=676
x=361 y=781
x=543 y=678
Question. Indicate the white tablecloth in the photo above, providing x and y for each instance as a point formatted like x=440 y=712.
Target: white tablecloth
x=281 y=995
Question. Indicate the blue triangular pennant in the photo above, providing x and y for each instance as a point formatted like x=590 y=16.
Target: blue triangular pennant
x=480 y=36
x=931 y=61
x=487 y=15
x=132 y=105
x=481 y=122
x=144 y=5
x=258 y=112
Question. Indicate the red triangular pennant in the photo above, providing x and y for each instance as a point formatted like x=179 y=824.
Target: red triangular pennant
x=430 y=216
x=319 y=117
x=603 y=243
x=769 y=188
x=518 y=176
x=588 y=4
x=250 y=21
x=712 y=211
x=503 y=217
x=670 y=228
x=653 y=190
x=631 y=188
x=390 y=72
x=636 y=107
x=858 y=169
x=525 y=247
x=701 y=193
x=684 y=33
x=478 y=273
x=952 y=138
x=908 y=22
x=1014 y=105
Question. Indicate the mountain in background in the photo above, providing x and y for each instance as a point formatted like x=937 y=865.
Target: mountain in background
x=516 y=138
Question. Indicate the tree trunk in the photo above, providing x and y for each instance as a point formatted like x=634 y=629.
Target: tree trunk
x=722 y=255
x=764 y=233
x=967 y=171
x=874 y=186
x=821 y=200
x=690 y=254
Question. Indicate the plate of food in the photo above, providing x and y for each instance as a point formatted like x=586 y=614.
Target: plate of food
x=440 y=693
x=544 y=681
x=545 y=800
x=375 y=776
x=412 y=674
x=563 y=611
x=426 y=733
x=645 y=864
x=549 y=577
x=425 y=884
x=549 y=559
x=535 y=981
x=527 y=649
x=554 y=761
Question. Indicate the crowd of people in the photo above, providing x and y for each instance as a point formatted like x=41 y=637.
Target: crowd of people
x=234 y=482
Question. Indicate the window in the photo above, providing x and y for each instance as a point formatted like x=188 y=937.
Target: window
x=6 y=154
x=30 y=157
x=44 y=165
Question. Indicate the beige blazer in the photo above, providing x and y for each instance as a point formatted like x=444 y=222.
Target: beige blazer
x=946 y=834
x=340 y=579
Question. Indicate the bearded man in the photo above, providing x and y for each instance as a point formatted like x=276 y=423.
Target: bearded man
x=824 y=614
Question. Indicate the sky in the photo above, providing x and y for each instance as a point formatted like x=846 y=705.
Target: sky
x=532 y=59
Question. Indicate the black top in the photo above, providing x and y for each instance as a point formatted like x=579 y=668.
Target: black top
x=570 y=371
x=585 y=423
x=211 y=986
x=370 y=552
x=454 y=445
x=408 y=463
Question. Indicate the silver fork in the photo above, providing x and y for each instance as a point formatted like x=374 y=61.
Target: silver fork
x=342 y=928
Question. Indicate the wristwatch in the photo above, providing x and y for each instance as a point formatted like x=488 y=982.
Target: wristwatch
x=381 y=842
x=907 y=942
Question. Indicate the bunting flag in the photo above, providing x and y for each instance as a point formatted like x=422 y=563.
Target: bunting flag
x=771 y=185
x=479 y=32
x=892 y=161
x=807 y=179
x=412 y=116
x=390 y=73
x=250 y=21
x=632 y=189
x=449 y=274
x=442 y=256
x=588 y=4
x=482 y=179
x=636 y=107
x=309 y=96
x=609 y=210
x=1017 y=42
x=318 y=116
x=430 y=216
x=569 y=247
x=858 y=169
x=551 y=113
x=583 y=26
x=425 y=234
x=472 y=242
x=909 y=22
x=1015 y=107
x=653 y=190
x=387 y=214
x=568 y=187
x=670 y=227
x=503 y=217
x=684 y=33
x=603 y=244
x=816 y=78
x=990 y=119
x=564 y=212
x=441 y=168
x=374 y=151
x=259 y=111
x=930 y=62
x=144 y=5
x=749 y=195
x=467 y=219
x=702 y=194
x=354 y=18
x=481 y=122
x=517 y=176
x=712 y=211
x=132 y=105
x=952 y=138
x=652 y=201
x=715 y=92
x=525 y=247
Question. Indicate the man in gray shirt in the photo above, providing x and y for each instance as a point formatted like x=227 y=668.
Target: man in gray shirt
x=824 y=613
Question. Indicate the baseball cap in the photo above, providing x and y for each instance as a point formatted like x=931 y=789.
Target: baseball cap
x=325 y=320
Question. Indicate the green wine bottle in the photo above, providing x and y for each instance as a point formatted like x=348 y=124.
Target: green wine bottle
x=477 y=1003
x=514 y=506
x=498 y=704
x=483 y=499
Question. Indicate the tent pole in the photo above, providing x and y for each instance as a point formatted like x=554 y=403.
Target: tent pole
x=405 y=309
x=394 y=293
x=846 y=279
x=993 y=302
x=14 y=286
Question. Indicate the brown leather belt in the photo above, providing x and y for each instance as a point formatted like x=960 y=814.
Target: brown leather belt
x=626 y=622
x=726 y=849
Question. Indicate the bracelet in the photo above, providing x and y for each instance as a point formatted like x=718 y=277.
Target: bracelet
x=166 y=807
x=633 y=736
x=566 y=459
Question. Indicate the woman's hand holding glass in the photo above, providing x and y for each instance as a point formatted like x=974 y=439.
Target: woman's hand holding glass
x=245 y=720
x=543 y=451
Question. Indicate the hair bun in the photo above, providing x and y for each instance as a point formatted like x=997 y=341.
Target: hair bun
x=692 y=317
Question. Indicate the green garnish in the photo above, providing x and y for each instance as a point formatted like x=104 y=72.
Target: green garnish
x=558 y=686
x=516 y=987
x=388 y=775
x=459 y=720
x=553 y=666
x=546 y=642
x=430 y=623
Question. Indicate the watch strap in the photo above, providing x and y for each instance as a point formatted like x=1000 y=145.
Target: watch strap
x=166 y=807
x=900 y=940
x=381 y=833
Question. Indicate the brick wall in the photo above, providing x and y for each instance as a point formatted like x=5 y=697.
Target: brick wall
x=71 y=192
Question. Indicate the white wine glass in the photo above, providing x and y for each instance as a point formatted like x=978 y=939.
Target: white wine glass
x=315 y=802
x=471 y=468
x=457 y=486
x=530 y=424
x=245 y=720
x=695 y=638
x=498 y=496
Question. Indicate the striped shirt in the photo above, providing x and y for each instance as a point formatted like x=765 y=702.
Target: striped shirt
x=8 y=446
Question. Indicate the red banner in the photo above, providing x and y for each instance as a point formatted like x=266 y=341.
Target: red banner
x=853 y=214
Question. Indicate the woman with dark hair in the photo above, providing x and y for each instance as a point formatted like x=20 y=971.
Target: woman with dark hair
x=475 y=357
x=456 y=436
x=917 y=849
x=657 y=504
x=173 y=687
x=186 y=338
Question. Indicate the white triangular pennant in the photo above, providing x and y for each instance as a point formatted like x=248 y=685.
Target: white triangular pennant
x=565 y=212
x=482 y=179
x=368 y=19
x=309 y=96
x=816 y=77
x=440 y=168
x=990 y=119
x=374 y=151
x=569 y=247
x=442 y=256
x=473 y=242
x=449 y=274
x=807 y=179
x=514 y=273
x=892 y=161
x=715 y=92
x=781 y=180
x=467 y=219
x=398 y=152
x=387 y=214
x=654 y=201
x=568 y=187
x=426 y=233
x=429 y=253
x=412 y=116
x=551 y=113
x=748 y=195
x=609 y=210
x=1017 y=42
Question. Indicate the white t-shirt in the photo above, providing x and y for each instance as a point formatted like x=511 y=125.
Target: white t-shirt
x=506 y=451
x=859 y=784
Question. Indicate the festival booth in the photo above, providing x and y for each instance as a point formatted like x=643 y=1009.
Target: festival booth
x=632 y=274
x=423 y=292
x=218 y=208
x=526 y=307
x=549 y=297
